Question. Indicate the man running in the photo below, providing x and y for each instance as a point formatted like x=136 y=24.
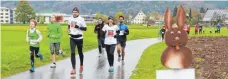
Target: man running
x=76 y=26
x=122 y=38
x=100 y=35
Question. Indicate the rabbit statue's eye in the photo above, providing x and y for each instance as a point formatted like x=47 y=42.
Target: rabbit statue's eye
x=172 y=32
x=179 y=32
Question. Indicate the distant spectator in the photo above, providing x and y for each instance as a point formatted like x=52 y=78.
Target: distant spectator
x=196 y=28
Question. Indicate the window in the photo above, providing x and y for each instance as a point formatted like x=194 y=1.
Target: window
x=6 y=13
x=6 y=20
x=1 y=16
x=1 y=20
x=7 y=10
x=6 y=17
x=1 y=13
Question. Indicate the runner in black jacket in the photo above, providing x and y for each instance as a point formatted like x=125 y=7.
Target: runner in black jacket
x=100 y=35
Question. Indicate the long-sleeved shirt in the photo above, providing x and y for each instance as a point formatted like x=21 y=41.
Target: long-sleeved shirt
x=76 y=26
x=98 y=30
x=54 y=32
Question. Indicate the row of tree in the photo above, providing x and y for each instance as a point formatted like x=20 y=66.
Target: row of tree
x=24 y=12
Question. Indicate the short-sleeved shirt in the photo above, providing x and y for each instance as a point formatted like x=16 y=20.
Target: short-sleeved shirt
x=110 y=33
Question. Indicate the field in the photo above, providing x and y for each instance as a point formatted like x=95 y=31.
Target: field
x=15 y=49
x=213 y=51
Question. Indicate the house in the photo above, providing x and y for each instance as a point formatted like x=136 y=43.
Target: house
x=47 y=16
x=6 y=15
x=208 y=17
x=139 y=18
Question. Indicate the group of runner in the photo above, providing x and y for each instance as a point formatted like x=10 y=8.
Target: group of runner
x=109 y=35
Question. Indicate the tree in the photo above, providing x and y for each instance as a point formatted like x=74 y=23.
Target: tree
x=155 y=15
x=175 y=11
x=99 y=15
x=117 y=15
x=24 y=12
x=217 y=19
x=189 y=16
x=202 y=10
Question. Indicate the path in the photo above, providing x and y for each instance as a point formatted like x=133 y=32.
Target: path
x=94 y=67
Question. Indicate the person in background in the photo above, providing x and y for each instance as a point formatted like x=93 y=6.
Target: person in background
x=100 y=36
x=163 y=32
x=196 y=28
x=218 y=28
x=188 y=29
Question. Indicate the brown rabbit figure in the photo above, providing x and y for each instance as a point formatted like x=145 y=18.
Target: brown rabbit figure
x=176 y=55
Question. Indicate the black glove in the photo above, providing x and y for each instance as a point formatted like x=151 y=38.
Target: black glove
x=115 y=36
x=76 y=26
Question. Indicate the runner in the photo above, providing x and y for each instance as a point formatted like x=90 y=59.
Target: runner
x=100 y=36
x=122 y=38
x=75 y=27
x=163 y=32
x=54 y=35
x=33 y=37
x=111 y=31
x=188 y=29
x=196 y=28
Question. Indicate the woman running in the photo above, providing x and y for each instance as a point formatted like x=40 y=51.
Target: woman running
x=111 y=31
x=54 y=35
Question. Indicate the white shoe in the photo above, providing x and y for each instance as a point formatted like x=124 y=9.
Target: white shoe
x=61 y=52
x=53 y=65
x=99 y=55
x=119 y=58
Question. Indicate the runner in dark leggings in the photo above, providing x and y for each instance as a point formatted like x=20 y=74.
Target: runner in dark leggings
x=100 y=35
x=163 y=32
x=33 y=37
x=111 y=31
x=76 y=26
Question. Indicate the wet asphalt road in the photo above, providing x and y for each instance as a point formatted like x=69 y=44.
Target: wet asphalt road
x=94 y=67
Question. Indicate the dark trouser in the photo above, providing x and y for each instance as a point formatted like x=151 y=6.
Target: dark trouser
x=218 y=30
x=79 y=44
x=163 y=34
x=110 y=53
x=196 y=31
x=122 y=43
x=188 y=32
x=55 y=47
x=100 y=44
x=200 y=31
x=32 y=51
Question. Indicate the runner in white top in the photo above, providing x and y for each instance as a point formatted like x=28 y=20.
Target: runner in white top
x=111 y=31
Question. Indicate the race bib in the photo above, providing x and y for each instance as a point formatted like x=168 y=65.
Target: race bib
x=32 y=42
x=110 y=33
x=73 y=23
x=121 y=33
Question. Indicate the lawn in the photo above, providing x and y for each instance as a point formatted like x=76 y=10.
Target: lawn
x=15 y=52
x=150 y=60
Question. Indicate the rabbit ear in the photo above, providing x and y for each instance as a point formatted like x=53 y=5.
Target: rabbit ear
x=168 y=18
x=180 y=17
